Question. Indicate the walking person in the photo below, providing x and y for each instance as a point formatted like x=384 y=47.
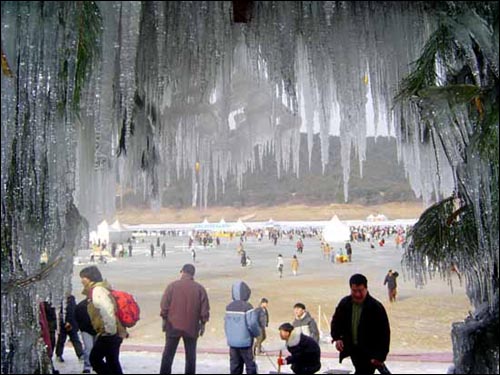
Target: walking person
x=105 y=355
x=295 y=265
x=348 y=250
x=305 y=353
x=88 y=333
x=130 y=250
x=68 y=327
x=392 y=285
x=185 y=310
x=304 y=322
x=163 y=250
x=279 y=265
x=152 y=250
x=360 y=328
x=193 y=254
x=241 y=325
x=243 y=259
x=263 y=322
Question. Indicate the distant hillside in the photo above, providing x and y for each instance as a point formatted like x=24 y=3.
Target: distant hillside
x=383 y=181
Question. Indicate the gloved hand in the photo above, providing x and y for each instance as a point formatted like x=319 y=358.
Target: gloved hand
x=281 y=361
x=202 y=329
x=68 y=327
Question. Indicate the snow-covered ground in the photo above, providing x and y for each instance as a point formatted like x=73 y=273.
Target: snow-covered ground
x=149 y=363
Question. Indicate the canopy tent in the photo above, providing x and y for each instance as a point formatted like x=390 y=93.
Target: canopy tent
x=237 y=227
x=336 y=231
x=115 y=232
x=271 y=224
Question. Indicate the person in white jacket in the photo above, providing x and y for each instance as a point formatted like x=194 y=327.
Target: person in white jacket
x=102 y=312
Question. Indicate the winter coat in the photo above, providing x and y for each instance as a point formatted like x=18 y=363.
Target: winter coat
x=70 y=313
x=295 y=264
x=102 y=310
x=241 y=321
x=263 y=317
x=307 y=325
x=374 y=333
x=390 y=280
x=184 y=307
x=305 y=353
x=83 y=319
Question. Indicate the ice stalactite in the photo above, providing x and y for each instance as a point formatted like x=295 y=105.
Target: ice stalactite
x=40 y=89
x=177 y=89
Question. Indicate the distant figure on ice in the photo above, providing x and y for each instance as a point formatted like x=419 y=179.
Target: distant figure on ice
x=280 y=265
x=152 y=250
x=241 y=325
x=360 y=328
x=348 y=250
x=193 y=254
x=243 y=259
x=392 y=285
x=163 y=250
x=300 y=246
x=304 y=322
x=185 y=310
x=305 y=353
x=295 y=265
x=130 y=250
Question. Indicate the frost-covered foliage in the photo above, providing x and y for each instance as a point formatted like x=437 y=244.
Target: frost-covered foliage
x=450 y=106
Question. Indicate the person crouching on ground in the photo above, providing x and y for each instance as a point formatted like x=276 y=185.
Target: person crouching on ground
x=305 y=353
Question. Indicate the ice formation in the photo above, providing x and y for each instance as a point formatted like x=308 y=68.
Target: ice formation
x=176 y=89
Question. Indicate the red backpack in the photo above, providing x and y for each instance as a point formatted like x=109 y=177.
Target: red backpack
x=127 y=309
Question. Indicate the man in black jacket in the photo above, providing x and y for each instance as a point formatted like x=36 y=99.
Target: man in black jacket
x=360 y=328
x=305 y=352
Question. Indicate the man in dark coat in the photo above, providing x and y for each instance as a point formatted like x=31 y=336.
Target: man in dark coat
x=88 y=333
x=360 y=328
x=185 y=310
x=305 y=352
x=68 y=327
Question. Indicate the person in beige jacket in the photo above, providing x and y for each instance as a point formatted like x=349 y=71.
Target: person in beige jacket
x=102 y=312
x=295 y=265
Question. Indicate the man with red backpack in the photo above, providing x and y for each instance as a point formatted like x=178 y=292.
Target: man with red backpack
x=102 y=310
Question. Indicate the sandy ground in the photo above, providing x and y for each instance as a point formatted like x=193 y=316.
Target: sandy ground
x=420 y=319
x=393 y=210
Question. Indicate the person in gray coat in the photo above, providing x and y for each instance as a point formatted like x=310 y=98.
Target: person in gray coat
x=304 y=322
x=241 y=325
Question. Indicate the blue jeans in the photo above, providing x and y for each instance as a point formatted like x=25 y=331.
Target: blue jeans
x=88 y=344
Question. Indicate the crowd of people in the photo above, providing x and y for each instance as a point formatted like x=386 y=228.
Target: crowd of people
x=359 y=327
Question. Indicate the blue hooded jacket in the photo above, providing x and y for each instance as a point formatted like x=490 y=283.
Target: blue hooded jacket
x=241 y=321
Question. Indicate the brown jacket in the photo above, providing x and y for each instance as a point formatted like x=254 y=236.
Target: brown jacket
x=184 y=307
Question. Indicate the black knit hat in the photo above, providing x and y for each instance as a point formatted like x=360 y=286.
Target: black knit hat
x=286 y=327
x=264 y=300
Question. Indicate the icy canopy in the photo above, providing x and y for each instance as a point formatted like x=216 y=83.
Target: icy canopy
x=180 y=90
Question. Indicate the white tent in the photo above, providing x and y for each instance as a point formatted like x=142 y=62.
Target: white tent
x=238 y=227
x=336 y=231
x=115 y=232
x=380 y=217
x=370 y=217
